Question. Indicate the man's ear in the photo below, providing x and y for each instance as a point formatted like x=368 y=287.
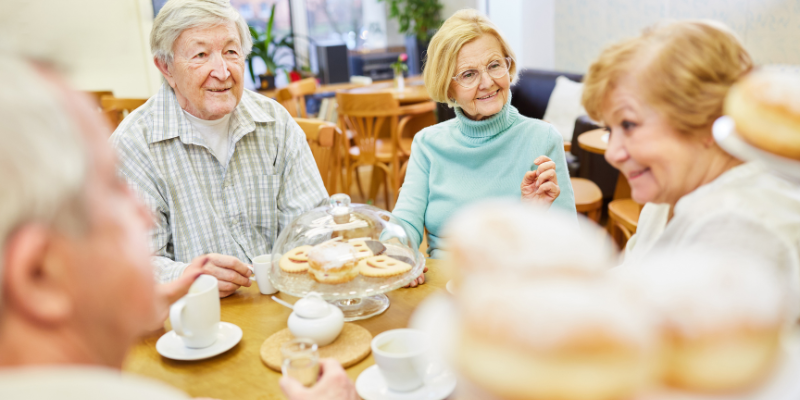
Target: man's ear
x=33 y=281
x=164 y=68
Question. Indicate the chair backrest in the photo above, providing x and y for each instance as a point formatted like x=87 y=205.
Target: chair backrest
x=293 y=97
x=284 y=96
x=323 y=139
x=365 y=114
x=116 y=108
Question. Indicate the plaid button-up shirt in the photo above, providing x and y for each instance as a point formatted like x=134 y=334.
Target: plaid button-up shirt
x=201 y=206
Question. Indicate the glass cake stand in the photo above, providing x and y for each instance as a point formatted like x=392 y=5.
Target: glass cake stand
x=362 y=297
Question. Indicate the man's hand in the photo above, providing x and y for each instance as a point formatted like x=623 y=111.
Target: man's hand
x=541 y=186
x=168 y=293
x=230 y=272
x=419 y=280
x=333 y=384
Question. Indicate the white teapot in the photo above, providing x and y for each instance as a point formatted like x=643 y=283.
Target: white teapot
x=316 y=319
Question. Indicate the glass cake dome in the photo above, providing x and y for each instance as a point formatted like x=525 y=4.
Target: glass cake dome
x=348 y=253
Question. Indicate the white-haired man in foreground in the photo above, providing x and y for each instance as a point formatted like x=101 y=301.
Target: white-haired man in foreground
x=76 y=282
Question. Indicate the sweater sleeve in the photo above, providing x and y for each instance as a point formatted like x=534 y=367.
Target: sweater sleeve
x=565 y=200
x=413 y=200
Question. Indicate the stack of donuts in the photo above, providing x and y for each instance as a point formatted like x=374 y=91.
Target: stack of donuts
x=546 y=316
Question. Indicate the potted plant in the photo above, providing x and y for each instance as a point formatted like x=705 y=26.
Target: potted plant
x=399 y=68
x=418 y=20
x=266 y=47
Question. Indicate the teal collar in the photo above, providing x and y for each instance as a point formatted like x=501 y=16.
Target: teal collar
x=487 y=127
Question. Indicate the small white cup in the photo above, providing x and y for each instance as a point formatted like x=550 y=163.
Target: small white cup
x=403 y=359
x=261 y=266
x=195 y=317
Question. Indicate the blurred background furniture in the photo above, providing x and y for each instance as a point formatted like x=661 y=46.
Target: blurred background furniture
x=324 y=140
x=375 y=122
x=293 y=97
x=116 y=109
x=588 y=198
x=623 y=218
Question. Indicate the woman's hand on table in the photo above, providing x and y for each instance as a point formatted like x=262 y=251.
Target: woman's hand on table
x=419 y=280
x=333 y=384
x=541 y=186
x=229 y=270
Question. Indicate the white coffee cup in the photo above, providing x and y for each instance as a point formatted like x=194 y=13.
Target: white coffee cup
x=195 y=317
x=403 y=358
x=261 y=266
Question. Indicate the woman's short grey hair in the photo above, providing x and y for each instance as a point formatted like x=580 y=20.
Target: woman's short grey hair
x=179 y=15
x=43 y=159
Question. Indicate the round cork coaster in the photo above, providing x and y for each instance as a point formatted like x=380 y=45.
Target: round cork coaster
x=352 y=346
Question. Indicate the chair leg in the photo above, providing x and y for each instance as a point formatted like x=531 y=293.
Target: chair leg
x=358 y=183
x=386 y=185
x=349 y=177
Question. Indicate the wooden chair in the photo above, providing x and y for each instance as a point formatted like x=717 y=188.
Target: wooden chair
x=293 y=97
x=323 y=139
x=623 y=218
x=116 y=109
x=588 y=198
x=98 y=95
x=365 y=115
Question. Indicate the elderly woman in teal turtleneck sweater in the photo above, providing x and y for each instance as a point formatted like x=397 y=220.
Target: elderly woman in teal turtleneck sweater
x=489 y=149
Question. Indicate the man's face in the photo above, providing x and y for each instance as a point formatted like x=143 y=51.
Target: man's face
x=207 y=71
x=109 y=263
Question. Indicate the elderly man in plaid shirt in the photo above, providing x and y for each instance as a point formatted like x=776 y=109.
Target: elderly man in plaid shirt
x=222 y=169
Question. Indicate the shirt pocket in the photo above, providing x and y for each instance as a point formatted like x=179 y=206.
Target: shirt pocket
x=263 y=207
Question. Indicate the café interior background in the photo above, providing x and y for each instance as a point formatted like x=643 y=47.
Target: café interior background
x=563 y=35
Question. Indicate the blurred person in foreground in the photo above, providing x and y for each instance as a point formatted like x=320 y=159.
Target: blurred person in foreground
x=223 y=169
x=658 y=95
x=76 y=282
x=489 y=150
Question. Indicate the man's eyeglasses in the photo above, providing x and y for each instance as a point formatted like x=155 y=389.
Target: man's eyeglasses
x=496 y=69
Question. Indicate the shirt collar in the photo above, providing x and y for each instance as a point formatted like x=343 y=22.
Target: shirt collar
x=169 y=121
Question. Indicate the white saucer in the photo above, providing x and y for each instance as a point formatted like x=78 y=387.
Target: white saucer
x=371 y=386
x=171 y=346
x=726 y=136
x=449 y=287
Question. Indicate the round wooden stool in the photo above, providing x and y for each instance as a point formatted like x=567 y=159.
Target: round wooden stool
x=623 y=217
x=588 y=198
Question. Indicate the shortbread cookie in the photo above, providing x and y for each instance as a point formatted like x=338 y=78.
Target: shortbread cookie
x=295 y=260
x=362 y=250
x=382 y=266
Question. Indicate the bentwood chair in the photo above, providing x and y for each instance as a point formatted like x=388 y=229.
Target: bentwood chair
x=364 y=116
x=588 y=198
x=293 y=97
x=323 y=139
x=116 y=109
x=623 y=219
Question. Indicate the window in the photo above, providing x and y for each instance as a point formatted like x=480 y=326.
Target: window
x=335 y=21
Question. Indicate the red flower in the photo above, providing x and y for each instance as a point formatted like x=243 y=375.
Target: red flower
x=294 y=76
x=403 y=57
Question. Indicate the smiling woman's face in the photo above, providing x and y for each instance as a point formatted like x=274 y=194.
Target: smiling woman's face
x=661 y=163
x=207 y=71
x=489 y=96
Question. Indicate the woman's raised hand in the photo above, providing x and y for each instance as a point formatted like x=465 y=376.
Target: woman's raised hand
x=541 y=186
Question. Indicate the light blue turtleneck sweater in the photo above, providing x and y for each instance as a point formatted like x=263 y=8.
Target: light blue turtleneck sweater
x=461 y=161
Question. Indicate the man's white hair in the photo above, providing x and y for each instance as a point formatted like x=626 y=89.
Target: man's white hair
x=43 y=158
x=179 y=15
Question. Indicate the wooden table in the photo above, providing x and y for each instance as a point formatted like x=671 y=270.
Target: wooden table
x=414 y=92
x=592 y=141
x=240 y=373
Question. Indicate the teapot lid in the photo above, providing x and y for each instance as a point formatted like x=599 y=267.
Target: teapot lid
x=312 y=306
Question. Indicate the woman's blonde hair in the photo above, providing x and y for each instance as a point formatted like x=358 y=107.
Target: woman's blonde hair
x=684 y=68
x=441 y=61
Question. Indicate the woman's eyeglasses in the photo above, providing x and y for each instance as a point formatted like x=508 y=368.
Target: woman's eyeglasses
x=496 y=69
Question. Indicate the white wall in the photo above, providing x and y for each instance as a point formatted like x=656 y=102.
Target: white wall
x=102 y=44
x=529 y=27
x=770 y=29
